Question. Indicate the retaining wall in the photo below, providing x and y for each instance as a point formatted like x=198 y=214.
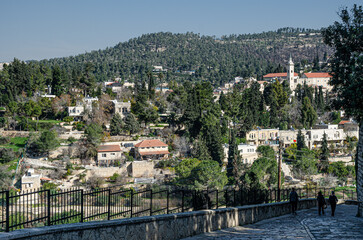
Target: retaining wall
x=168 y=226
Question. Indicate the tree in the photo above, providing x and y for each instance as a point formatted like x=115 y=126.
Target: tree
x=261 y=175
x=200 y=150
x=300 y=141
x=93 y=135
x=47 y=141
x=339 y=170
x=5 y=177
x=266 y=151
x=200 y=174
x=233 y=158
x=131 y=124
x=116 y=125
x=308 y=114
x=324 y=155
x=346 y=37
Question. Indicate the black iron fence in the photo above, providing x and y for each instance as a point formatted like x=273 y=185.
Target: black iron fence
x=51 y=207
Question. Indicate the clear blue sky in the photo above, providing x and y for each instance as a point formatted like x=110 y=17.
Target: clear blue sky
x=38 y=29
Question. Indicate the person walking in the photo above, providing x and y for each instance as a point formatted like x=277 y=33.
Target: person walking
x=294 y=198
x=333 y=202
x=321 y=202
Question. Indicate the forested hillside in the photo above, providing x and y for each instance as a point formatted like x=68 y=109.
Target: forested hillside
x=217 y=60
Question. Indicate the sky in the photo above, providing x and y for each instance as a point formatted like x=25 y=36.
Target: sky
x=43 y=29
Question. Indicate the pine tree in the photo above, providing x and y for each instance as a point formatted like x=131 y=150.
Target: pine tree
x=300 y=141
x=131 y=124
x=200 y=150
x=116 y=125
x=308 y=114
x=232 y=154
x=346 y=65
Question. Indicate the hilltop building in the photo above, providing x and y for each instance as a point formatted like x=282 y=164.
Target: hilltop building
x=311 y=79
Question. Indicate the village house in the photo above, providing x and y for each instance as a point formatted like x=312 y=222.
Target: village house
x=151 y=149
x=108 y=155
x=313 y=137
x=76 y=111
x=30 y=180
x=350 y=128
x=262 y=137
x=122 y=108
x=248 y=153
x=88 y=101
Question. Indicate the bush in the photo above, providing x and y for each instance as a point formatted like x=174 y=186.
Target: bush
x=4 y=140
x=68 y=119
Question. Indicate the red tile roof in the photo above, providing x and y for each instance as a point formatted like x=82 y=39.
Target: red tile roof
x=151 y=143
x=153 y=153
x=109 y=148
x=318 y=75
x=45 y=179
x=343 y=122
x=272 y=75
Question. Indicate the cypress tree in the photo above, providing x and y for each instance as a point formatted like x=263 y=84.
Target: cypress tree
x=116 y=125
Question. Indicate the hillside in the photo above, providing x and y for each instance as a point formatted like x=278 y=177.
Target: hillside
x=215 y=59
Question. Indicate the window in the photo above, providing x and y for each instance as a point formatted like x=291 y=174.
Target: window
x=113 y=154
x=104 y=154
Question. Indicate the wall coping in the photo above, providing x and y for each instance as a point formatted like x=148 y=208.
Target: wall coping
x=38 y=231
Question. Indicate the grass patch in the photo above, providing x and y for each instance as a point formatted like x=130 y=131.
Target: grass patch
x=47 y=121
x=16 y=143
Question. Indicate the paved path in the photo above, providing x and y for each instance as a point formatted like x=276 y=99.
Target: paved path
x=306 y=225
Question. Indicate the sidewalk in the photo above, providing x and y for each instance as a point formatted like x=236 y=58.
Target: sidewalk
x=306 y=225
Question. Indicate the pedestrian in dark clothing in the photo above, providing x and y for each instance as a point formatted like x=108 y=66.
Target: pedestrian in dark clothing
x=333 y=202
x=321 y=202
x=294 y=198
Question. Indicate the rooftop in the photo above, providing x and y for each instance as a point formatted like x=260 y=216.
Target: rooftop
x=318 y=75
x=151 y=143
x=109 y=148
x=271 y=75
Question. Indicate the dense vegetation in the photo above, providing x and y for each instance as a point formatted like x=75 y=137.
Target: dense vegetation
x=212 y=59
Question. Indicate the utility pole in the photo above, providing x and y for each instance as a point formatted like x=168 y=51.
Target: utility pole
x=279 y=171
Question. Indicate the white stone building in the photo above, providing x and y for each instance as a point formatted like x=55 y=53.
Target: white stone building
x=122 y=108
x=248 y=153
x=76 y=112
x=108 y=155
x=262 y=137
x=151 y=149
x=30 y=180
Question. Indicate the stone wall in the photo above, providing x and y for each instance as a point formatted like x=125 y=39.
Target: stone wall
x=142 y=169
x=168 y=226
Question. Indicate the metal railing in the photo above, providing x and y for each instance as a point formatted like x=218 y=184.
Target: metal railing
x=51 y=207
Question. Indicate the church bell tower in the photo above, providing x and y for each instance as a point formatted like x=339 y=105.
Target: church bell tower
x=290 y=74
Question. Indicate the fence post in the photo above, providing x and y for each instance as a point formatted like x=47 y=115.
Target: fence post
x=7 y=215
x=48 y=207
x=82 y=214
x=167 y=201
x=183 y=200
x=132 y=200
x=109 y=204
x=217 y=202
x=151 y=202
x=315 y=191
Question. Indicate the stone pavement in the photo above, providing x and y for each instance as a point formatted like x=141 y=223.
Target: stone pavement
x=306 y=225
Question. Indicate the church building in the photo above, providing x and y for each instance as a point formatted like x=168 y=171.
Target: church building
x=311 y=79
